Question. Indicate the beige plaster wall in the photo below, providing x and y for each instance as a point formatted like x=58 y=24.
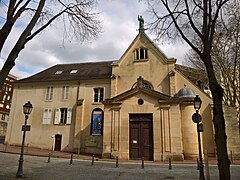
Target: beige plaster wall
x=189 y=131
x=41 y=134
x=205 y=111
x=83 y=141
x=176 y=134
x=155 y=69
x=160 y=139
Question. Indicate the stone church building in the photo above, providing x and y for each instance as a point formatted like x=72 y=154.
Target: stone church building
x=138 y=106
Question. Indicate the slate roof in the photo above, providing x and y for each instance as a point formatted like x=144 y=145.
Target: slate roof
x=101 y=70
x=196 y=76
x=85 y=71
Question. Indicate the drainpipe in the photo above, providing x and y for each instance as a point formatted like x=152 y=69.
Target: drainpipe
x=77 y=96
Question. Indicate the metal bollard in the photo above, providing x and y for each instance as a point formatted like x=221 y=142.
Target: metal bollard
x=117 y=162
x=206 y=164
x=198 y=167
x=49 y=157
x=71 y=159
x=231 y=155
x=142 y=162
x=92 y=160
x=6 y=145
x=27 y=147
x=170 y=164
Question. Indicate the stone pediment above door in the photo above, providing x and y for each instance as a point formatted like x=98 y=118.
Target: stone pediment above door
x=138 y=87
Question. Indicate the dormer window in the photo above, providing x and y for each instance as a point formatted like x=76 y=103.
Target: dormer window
x=74 y=71
x=58 y=72
x=141 y=54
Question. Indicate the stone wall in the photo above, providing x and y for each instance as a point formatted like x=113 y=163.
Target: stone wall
x=232 y=130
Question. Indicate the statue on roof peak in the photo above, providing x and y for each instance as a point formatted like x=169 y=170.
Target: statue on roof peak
x=141 y=23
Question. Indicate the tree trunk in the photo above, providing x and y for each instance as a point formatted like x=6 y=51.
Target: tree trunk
x=218 y=121
x=220 y=135
x=8 y=65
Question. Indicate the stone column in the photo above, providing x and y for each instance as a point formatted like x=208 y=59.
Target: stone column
x=189 y=131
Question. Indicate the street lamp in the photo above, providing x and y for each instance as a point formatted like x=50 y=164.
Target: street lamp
x=27 y=109
x=196 y=117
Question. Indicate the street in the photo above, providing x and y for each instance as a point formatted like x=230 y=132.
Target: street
x=38 y=168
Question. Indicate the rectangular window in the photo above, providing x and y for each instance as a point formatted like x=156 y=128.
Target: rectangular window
x=47 y=116
x=146 y=54
x=63 y=118
x=49 y=93
x=137 y=54
x=65 y=92
x=141 y=53
x=98 y=94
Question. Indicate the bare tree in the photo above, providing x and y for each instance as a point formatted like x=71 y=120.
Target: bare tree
x=195 y=21
x=225 y=55
x=79 y=20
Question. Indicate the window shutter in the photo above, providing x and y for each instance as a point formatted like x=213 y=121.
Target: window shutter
x=49 y=117
x=57 y=116
x=69 y=115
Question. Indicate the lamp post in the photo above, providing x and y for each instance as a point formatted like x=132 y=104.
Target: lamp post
x=27 y=109
x=196 y=117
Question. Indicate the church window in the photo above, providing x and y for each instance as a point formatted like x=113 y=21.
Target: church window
x=147 y=85
x=97 y=122
x=140 y=101
x=142 y=83
x=141 y=53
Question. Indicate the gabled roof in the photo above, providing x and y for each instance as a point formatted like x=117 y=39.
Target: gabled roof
x=144 y=35
x=83 y=71
x=135 y=90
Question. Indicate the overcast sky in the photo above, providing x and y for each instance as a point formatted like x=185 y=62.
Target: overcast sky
x=120 y=26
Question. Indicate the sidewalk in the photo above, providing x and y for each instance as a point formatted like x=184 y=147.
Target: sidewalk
x=40 y=152
x=61 y=154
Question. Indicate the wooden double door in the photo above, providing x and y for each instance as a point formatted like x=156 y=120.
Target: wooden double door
x=141 y=136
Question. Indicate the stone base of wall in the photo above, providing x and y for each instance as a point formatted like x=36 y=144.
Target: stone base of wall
x=107 y=155
x=90 y=150
x=173 y=157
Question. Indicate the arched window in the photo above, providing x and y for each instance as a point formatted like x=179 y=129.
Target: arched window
x=97 y=122
x=143 y=83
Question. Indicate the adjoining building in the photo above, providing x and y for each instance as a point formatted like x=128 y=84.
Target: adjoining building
x=5 y=104
x=138 y=106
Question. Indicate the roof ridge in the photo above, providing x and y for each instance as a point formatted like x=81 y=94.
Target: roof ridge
x=87 y=62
